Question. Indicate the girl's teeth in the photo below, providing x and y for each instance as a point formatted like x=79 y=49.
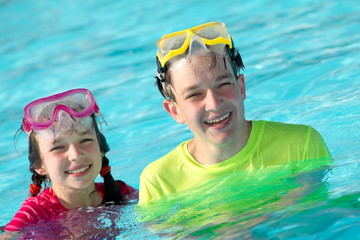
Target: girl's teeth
x=78 y=170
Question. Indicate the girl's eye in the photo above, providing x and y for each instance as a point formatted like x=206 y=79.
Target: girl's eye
x=86 y=140
x=56 y=148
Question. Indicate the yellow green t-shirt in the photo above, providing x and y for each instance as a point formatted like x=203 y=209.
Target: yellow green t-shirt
x=269 y=144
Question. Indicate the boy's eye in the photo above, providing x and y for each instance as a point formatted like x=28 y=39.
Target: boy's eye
x=225 y=83
x=193 y=95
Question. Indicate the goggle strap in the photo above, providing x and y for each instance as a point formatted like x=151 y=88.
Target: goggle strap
x=160 y=78
x=160 y=82
x=161 y=69
x=26 y=126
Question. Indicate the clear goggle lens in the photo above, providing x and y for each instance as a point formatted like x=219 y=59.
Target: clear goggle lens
x=43 y=113
x=177 y=43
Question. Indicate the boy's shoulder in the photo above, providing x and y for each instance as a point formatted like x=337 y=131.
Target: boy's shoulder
x=286 y=133
x=168 y=161
x=287 y=129
x=282 y=125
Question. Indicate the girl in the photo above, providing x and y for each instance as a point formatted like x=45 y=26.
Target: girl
x=67 y=149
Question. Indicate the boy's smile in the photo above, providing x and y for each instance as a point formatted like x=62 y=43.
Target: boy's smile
x=219 y=122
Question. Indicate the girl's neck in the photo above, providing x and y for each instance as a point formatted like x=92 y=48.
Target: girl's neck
x=76 y=198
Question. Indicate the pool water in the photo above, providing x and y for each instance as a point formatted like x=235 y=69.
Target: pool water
x=302 y=63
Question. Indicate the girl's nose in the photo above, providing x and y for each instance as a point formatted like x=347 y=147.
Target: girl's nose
x=74 y=153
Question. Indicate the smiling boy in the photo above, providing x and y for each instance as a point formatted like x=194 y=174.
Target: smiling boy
x=198 y=74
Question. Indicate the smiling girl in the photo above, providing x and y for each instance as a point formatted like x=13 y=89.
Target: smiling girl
x=67 y=150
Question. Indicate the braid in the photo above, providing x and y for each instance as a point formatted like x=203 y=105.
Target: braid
x=35 y=162
x=37 y=181
x=112 y=190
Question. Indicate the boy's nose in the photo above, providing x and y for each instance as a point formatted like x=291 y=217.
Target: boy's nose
x=212 y=101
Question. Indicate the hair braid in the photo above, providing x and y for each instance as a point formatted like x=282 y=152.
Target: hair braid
x=37 y=181
x=112 y=190
x=35 y=162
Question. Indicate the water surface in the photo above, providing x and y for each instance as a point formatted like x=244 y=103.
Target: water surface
x=302 y=66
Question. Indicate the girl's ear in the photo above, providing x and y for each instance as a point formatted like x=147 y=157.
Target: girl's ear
x=41 y=171
x=241 y=82
x=172 y=108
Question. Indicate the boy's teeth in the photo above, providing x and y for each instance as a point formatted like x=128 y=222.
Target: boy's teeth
x=219 y=119
x=78 y=170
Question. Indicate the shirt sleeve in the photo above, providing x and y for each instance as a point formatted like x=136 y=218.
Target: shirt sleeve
x=316 y=147
x=147 y=192
x=27 y=215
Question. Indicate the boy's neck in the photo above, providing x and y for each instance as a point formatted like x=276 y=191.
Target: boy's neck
x=207 y=153
x=75 y=198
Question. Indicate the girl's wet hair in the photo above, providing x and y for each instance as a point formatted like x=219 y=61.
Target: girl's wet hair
x=163 y=80
x=112 y=191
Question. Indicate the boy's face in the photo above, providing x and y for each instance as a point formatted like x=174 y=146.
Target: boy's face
x=209 y=98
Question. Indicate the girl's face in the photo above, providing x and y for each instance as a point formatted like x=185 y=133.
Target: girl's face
x=73 y=160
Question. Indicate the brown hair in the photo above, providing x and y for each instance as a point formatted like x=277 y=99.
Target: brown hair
x=163 y=79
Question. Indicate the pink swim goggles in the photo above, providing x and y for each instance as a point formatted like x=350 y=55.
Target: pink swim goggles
x=59 y=112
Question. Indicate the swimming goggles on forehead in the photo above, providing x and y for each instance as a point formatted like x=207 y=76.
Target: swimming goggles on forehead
x=58 y=109
x=177 y=43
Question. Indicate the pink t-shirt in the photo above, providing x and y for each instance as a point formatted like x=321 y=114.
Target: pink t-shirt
x=47 y=204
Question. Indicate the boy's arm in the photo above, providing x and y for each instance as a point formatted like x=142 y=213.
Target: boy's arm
x=318 y=155
x=316 y=147
x=147 y=192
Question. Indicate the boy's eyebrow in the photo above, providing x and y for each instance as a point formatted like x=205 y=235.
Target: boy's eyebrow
x=221 y=77
x=195 y=86
x=187 y=89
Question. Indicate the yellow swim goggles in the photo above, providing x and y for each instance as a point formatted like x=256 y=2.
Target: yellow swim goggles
x=177 y=43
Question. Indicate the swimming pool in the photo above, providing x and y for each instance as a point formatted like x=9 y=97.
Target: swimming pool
x=302 y=66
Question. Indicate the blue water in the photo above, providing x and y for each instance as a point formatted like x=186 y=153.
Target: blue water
x=302 y=63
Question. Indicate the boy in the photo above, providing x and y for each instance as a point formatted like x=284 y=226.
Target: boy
x=198 y=74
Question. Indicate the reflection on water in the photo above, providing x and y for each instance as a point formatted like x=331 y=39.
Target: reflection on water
x=246 y=206
x=279 y=202
x=103 y=222
x=273 y=203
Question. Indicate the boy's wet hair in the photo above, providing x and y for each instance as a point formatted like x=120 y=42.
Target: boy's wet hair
x=112 y=191
x=163 y=79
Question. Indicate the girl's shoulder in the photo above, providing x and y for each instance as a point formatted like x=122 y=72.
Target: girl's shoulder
x=125 y=188
x=45 y=197
x=35 y=209
x=128 y=191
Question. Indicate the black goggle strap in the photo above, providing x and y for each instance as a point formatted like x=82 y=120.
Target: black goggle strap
x=160 y=79
x=235 y=56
